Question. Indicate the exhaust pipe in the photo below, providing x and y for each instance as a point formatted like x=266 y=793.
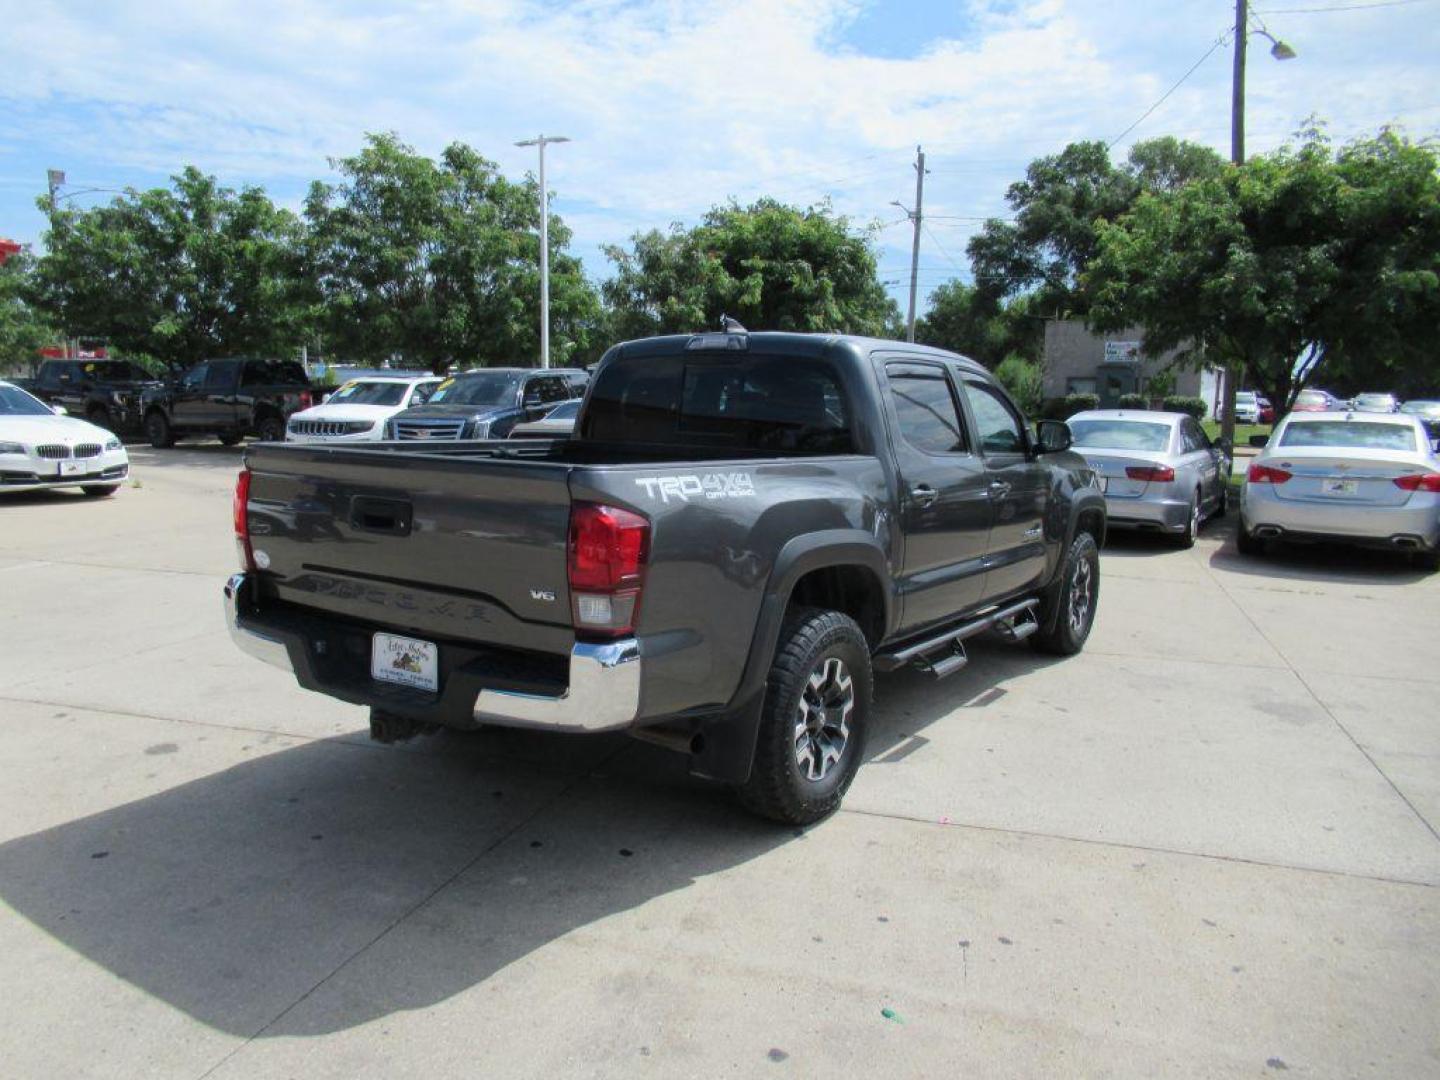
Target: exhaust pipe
x=1267 y=532
x=1407 y=543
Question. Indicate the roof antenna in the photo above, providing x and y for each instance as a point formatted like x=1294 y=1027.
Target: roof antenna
x=731 y=326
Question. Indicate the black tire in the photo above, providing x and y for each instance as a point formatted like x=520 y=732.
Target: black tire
x=1223 y=504
x=1187 y=539
x=1061 y=632
x=159 y=431
x=99 y=491
x=1429 y=561
x=814 y=645
x=270 y=428
x=98 y=416
x=1247 y=543
x=231 y=439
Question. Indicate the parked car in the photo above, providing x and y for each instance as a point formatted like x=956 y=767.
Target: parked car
x=358 y=410
x=1361 y=478
x=485 y=403
x=1375 y=403
x=1159 y=470
x=41 y=447
x=107 y=393
x=1247 y=407
x=742 y=528
x=556 y=424
x=1315 y=401
x=1267 y=410
x=1428 y=413
x=230 y=398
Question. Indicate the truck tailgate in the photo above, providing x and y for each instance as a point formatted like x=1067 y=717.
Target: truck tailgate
x=462 y=547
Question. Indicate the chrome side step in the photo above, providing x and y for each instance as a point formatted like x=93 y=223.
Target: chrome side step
x=943 y=654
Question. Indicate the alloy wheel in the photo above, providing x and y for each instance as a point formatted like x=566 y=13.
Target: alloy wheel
x=822 y=718
x=1082 y=590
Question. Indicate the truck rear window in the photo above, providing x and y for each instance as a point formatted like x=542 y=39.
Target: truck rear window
x=752 y=401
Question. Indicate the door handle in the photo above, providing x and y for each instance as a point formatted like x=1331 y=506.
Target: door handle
x=924 y=494
x=999 y=488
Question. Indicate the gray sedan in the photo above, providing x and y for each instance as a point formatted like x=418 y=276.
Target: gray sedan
x=1362 y=478
x=1159 y=470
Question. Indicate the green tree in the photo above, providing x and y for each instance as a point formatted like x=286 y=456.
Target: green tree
x=1057 y=209
x=1301 y=254
x=439 y=262
x=177 y=273
x=1025 y=380
x=966 y=319
x=23 y=327
x=773 y=267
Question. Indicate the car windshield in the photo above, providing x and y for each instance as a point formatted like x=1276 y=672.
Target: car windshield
x=15 y=402
x=1350 y=435
x=480 y=388
x=1310 y=397
x=1421 y=408
x=117 y=370
x=568 y=411
x=1120 y=434
x=1245 y=396
x=369 y=393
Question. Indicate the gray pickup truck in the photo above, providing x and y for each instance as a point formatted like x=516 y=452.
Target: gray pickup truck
x=741 y=529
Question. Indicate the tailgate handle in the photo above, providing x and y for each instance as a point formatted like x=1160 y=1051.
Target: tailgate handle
x=389 y=516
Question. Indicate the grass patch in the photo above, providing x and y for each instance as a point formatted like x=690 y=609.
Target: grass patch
x=1242 y=431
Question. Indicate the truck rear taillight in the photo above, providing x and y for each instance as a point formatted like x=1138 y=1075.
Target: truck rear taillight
x=1419 y=482
x=1267 y=474
x=608 y=550
x=1154 y=474
x=239 y=510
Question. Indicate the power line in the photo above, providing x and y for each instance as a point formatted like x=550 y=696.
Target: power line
x=1193 y=68
x=936 y=241
x=1340 y=7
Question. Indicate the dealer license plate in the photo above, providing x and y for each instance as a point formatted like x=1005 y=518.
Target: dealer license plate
x=72 y=467
x=407 y=661
x=1104 y=483
x=1339 y=487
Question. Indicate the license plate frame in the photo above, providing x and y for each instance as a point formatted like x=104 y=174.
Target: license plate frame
x=72 y=467
x=1339 y=486
x=405 y=661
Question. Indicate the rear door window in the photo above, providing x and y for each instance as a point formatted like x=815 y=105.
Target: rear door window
x=926 y=411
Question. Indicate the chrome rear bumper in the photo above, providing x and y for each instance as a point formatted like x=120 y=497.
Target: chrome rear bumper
x=602 y=692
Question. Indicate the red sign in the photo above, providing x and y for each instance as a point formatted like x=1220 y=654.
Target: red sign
x=8 y=248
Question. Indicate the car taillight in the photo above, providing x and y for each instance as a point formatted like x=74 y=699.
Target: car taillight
x=1154 y=474
x=607 y=554
x=1419 y=482
x=239 y=510
x=1266 y=474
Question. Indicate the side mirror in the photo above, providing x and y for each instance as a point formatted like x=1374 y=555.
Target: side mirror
x=1052 y=436
x=60 y=410
x=1259 y=441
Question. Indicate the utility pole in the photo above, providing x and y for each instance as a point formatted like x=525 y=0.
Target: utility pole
x=541 y=142
x=916 y=216
x=1228 y=374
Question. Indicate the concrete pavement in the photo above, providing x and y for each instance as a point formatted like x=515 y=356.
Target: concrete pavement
x=1207 y=846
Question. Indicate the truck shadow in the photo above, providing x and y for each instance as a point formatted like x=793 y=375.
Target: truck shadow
x=401 y=878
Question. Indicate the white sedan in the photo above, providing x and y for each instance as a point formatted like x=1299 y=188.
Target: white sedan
x=40 y=448
x=358 y=410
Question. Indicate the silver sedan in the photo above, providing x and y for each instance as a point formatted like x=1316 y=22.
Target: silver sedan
x=1361 y=478
x=1159 y=470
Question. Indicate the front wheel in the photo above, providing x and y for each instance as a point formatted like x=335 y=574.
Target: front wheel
x=231 y=438
x=159 y=431
x=1073 y=612
x=270 y=429
x=812 y=727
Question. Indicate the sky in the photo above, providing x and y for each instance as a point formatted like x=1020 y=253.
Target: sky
x=675 y=106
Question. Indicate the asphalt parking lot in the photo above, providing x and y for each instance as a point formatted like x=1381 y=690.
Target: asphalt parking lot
x=1205 y=847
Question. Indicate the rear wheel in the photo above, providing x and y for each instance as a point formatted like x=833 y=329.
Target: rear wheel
x=231 y=438
x=97 y=415
x=270 y=429
x=1247 y=542
x=1192 y=523
x=812 y=728
x=159 y=431
x=1072 y=611
x=1429 y=561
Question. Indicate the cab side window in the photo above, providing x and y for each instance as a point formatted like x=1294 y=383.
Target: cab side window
x=222 y=377
x=1000 y=429
x=926 y=410
x=195 y=378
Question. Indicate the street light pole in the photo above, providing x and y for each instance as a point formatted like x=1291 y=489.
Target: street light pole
x=1280 y=51
x=544 y=246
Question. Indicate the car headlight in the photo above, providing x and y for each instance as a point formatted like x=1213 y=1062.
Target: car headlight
x=112 y=444
x=12 y=448
x=479 y=429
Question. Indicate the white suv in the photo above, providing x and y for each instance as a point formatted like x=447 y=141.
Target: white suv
x=358 y=410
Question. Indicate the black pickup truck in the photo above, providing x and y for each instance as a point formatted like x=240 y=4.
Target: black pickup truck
x=231 y=398
x=105 y=392
x=741 y=529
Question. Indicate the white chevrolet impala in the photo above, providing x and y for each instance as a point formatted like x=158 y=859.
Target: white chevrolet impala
x=42 y=449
